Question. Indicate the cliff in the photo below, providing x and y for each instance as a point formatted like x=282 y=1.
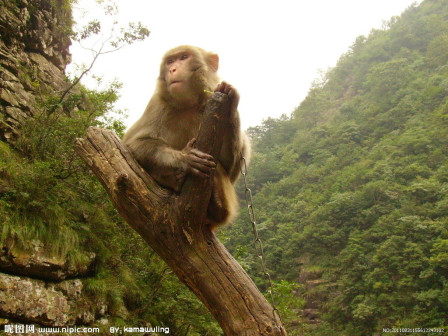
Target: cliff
x=33 y=55
x=36 y=285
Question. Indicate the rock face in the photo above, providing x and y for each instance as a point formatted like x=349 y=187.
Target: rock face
x=313 y=284
x=33 y=54
x=49 y=304
x=40 y=264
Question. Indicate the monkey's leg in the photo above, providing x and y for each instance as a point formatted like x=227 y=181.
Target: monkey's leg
x=167 y=165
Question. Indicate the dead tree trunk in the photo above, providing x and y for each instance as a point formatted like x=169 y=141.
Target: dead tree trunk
x=178 y=231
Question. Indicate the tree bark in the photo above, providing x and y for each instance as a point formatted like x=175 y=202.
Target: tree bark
x=176 y=225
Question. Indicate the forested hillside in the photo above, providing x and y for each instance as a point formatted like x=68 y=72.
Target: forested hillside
x=351 y=190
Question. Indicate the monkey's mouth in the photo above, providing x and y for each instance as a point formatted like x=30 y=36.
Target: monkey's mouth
x=175 y=82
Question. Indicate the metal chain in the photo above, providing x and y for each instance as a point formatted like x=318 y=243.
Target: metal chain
x=257 y=242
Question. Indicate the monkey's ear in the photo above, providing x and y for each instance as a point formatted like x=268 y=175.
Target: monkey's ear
x=213 y=62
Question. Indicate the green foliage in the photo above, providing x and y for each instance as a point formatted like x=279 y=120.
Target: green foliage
x=355 y=183
x=289 y=305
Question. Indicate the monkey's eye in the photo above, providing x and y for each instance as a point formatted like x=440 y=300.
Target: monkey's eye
x=169 y=61
x=184 y=56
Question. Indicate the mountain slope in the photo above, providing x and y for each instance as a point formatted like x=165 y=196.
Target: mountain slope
x=353 y=186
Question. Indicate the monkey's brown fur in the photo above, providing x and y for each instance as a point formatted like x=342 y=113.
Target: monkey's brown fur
x=162 y=139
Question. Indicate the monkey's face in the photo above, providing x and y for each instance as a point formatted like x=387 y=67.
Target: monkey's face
x=186 y=72
x=179 y=70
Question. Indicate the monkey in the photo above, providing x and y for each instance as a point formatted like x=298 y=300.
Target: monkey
x=162 y=140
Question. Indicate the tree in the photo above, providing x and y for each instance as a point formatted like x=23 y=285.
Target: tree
x=178 y=231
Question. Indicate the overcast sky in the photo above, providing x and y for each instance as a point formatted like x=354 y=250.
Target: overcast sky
x=271 y=51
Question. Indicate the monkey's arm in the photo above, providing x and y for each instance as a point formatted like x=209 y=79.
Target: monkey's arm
x=235 y=143
x=169 y=166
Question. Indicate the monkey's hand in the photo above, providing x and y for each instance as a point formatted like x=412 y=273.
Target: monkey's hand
x=195 y=162
x=232 y=93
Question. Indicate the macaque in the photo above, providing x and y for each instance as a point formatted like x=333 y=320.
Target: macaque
x=163 y=139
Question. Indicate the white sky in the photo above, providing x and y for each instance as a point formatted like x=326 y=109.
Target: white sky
x=271 y=51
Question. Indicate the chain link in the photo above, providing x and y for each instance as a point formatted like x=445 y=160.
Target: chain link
x=257 y=242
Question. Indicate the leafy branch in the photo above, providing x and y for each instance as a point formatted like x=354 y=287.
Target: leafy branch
x=115 y=41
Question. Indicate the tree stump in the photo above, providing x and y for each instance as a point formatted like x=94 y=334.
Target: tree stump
x=176 y=225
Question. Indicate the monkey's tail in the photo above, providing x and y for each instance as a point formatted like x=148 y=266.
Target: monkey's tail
x=223 y=206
